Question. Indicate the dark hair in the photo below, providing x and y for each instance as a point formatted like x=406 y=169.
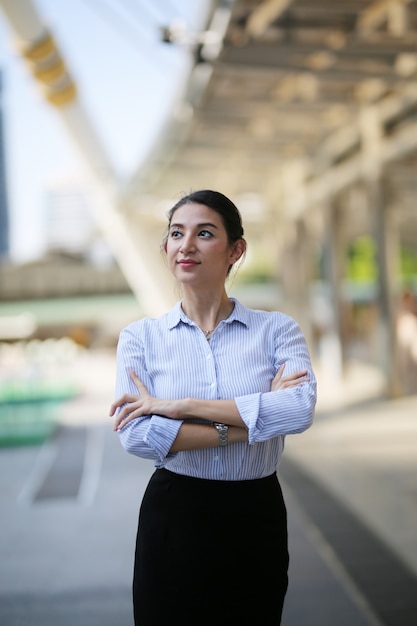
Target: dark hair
x=217 y=201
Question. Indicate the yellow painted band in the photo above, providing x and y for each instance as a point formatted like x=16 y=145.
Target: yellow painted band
x=40 y=49
x=61 y=97
x=50 y=73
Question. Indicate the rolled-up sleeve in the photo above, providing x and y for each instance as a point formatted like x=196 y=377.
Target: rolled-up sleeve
x=151 y=436
x=282 y=412
x=285 y=411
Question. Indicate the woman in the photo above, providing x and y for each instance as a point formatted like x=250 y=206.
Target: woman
x=201 y=392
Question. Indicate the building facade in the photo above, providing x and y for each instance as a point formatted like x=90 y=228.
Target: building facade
x=4 y=209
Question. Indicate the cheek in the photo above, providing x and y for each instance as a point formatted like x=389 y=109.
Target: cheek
x=171 y=254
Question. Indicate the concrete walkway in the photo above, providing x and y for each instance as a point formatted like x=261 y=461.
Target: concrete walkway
x=69 y=508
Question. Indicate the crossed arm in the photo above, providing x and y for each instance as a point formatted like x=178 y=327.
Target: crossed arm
x=193 y=436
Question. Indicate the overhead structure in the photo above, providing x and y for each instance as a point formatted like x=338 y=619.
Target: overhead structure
x=286 y=95
x=305 y=113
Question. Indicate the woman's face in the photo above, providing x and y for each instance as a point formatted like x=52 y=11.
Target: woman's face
x=197 y=247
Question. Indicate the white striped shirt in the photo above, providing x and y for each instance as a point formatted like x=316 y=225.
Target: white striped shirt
x=174 y=360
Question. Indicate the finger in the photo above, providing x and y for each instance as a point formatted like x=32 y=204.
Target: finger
x=139 y=384
x=115 y=405
x=125 y=399
x=119 y=423
x=133 y=376
x=301 y=373
x=293 y=383
x=296 y=375
x=122 y=420
x=129 y=409
x=278 y=375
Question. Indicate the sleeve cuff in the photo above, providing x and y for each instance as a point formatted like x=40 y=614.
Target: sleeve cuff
x=161 y=434
x=248 y=407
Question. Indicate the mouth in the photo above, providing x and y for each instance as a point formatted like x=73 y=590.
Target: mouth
x=187 y=263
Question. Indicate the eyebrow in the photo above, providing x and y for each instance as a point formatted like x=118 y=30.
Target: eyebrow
x=203 y=225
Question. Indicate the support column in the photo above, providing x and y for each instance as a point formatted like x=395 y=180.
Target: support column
x=387 y=252
x=296 y=277
x=371 y=132
x=331 y=344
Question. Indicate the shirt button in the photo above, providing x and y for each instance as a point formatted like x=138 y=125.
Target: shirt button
x=208 y=357
x=212 y=385
x=216 y=458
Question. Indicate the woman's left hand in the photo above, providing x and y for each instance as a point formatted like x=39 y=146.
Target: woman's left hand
x=292 y=380
x=142 y=404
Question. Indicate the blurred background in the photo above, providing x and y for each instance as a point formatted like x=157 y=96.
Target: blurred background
x=304 y=112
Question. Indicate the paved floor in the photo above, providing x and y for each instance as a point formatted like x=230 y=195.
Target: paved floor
x=68 y=512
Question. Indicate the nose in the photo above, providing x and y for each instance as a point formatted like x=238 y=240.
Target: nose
x=187 y=244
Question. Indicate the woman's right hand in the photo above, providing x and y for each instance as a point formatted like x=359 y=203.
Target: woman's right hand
x=285 y=382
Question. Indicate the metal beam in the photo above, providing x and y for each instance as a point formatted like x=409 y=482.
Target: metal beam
x=133 y=251
x=384 y=11
x=339 y=177
x=264 y=14
x=266 y=55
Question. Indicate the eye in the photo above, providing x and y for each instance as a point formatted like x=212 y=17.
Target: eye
x=174 y=234
x=205 y=234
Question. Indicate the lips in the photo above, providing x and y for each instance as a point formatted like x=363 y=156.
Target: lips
x=187 y=263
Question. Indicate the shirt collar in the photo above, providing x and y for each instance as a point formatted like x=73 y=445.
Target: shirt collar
x=240 y=314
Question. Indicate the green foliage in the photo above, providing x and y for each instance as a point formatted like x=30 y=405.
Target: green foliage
x=408 y=264
x=362 y=265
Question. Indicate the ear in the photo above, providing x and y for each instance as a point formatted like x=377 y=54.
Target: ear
x=238 y=249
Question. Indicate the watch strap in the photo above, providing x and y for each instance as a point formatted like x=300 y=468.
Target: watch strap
x=222 y=429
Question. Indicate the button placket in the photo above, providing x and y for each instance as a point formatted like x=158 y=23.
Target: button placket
x=211 y=371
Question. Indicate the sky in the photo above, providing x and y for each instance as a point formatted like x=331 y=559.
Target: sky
x=127 y=80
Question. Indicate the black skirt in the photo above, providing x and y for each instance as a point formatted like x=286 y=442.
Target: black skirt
x=210 y=552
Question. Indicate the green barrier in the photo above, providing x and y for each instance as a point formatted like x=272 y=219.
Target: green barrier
x=28 y=416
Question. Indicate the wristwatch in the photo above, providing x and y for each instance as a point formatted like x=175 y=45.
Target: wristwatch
x=222 y=429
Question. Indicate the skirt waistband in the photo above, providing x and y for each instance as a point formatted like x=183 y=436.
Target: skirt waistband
x=163 y=470
x=192 y=482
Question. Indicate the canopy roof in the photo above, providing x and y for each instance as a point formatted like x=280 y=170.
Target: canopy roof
x=307 y=98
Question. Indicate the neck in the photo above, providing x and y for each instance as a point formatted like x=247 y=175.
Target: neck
x=207 y=311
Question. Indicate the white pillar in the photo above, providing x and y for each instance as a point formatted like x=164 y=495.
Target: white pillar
x=382 y=227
